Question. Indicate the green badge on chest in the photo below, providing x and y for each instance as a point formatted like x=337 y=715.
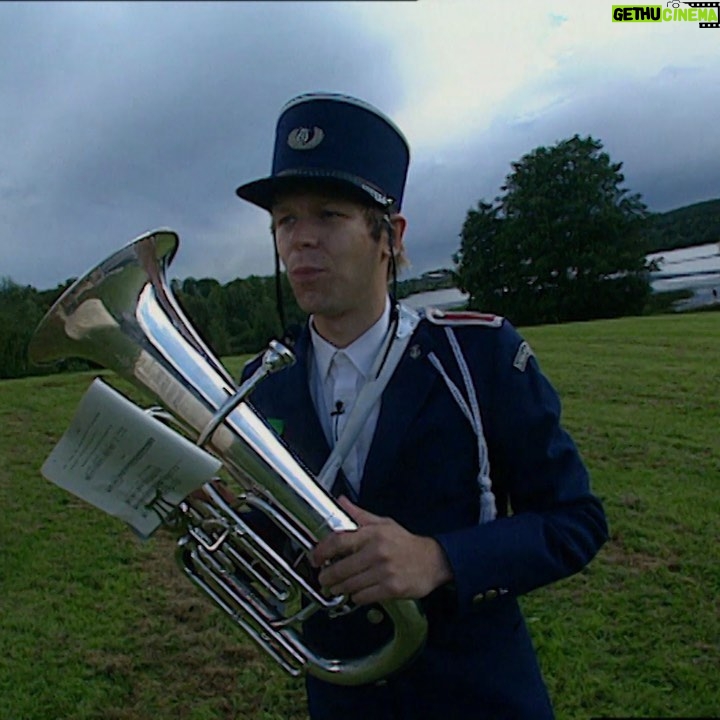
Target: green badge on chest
x=277 y=425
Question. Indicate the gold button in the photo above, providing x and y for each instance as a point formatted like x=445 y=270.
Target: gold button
x=375 y=616
x=491 y=594
x=478 y=598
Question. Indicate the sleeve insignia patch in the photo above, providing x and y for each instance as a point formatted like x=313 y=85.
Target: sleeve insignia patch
x=522 y=356
x=462 y=317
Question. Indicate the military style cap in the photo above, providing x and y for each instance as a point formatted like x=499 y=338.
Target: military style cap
x=339 y=140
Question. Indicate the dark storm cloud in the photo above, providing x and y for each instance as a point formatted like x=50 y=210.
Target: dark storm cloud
x=117 y=118
x=662 y=128
x=122 y=117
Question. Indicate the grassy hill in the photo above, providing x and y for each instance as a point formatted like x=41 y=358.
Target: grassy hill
x=96 y=625
x=695 y=224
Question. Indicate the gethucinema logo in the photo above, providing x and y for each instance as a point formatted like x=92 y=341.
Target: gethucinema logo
x=704 y=13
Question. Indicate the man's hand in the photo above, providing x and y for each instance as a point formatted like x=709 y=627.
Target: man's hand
x=379 y=561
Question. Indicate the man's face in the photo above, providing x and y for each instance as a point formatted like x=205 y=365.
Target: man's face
x=335 y=267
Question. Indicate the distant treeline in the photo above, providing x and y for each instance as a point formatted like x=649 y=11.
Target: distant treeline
x=233 y=318
x=696 y=224
x=241 y=316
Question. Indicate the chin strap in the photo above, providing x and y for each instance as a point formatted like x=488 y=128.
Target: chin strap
x=279 y=305
x=471 y=410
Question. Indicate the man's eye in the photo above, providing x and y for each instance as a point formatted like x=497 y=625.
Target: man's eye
x=328 y=213
x=283 y=220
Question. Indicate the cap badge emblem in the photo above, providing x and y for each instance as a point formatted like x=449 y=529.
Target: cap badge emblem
x=304 y=138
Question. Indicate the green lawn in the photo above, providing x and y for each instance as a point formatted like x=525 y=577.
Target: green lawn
x=95 y=624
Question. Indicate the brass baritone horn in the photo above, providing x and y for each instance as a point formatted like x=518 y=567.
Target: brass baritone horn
x=123 y=316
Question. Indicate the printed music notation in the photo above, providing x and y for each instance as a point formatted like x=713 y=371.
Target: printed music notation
x=125 y=462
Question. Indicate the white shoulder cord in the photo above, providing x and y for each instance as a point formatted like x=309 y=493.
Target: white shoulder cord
x=385 y=364
x=488 y=510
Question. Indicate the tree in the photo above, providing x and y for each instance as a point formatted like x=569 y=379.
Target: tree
x=563 y=242
x=19 y=314
x=238 y=317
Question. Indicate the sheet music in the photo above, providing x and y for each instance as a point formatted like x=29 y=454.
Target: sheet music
x=125 y=462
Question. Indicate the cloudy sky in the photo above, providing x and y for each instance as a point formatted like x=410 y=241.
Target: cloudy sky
x=118 y=118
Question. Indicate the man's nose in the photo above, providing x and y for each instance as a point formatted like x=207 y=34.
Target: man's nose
x=305 y=232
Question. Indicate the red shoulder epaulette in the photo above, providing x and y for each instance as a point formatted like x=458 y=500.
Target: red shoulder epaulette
x=462 y=317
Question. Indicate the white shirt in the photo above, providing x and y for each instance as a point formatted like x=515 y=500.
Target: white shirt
x=336 y=377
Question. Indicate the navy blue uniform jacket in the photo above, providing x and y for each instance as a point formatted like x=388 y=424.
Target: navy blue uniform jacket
x=422 y=471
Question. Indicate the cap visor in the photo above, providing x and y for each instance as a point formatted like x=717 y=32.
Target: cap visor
x=263 y=192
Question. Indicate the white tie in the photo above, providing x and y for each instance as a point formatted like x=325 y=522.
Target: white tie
x=343 y=378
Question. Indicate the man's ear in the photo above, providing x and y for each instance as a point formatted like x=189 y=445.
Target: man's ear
x=399 y=224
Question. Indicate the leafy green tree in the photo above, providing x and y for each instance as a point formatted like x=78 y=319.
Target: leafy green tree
x=238 y=317
x=19 y=314
x=564 y=241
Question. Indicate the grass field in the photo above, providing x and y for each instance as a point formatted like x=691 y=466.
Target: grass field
x=96 y=625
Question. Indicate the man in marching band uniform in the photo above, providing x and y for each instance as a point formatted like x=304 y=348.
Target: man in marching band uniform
x=437 y=431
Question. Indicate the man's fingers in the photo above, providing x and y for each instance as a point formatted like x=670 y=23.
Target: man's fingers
x=360 y=516
x=352 y=563
x=335 y=545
